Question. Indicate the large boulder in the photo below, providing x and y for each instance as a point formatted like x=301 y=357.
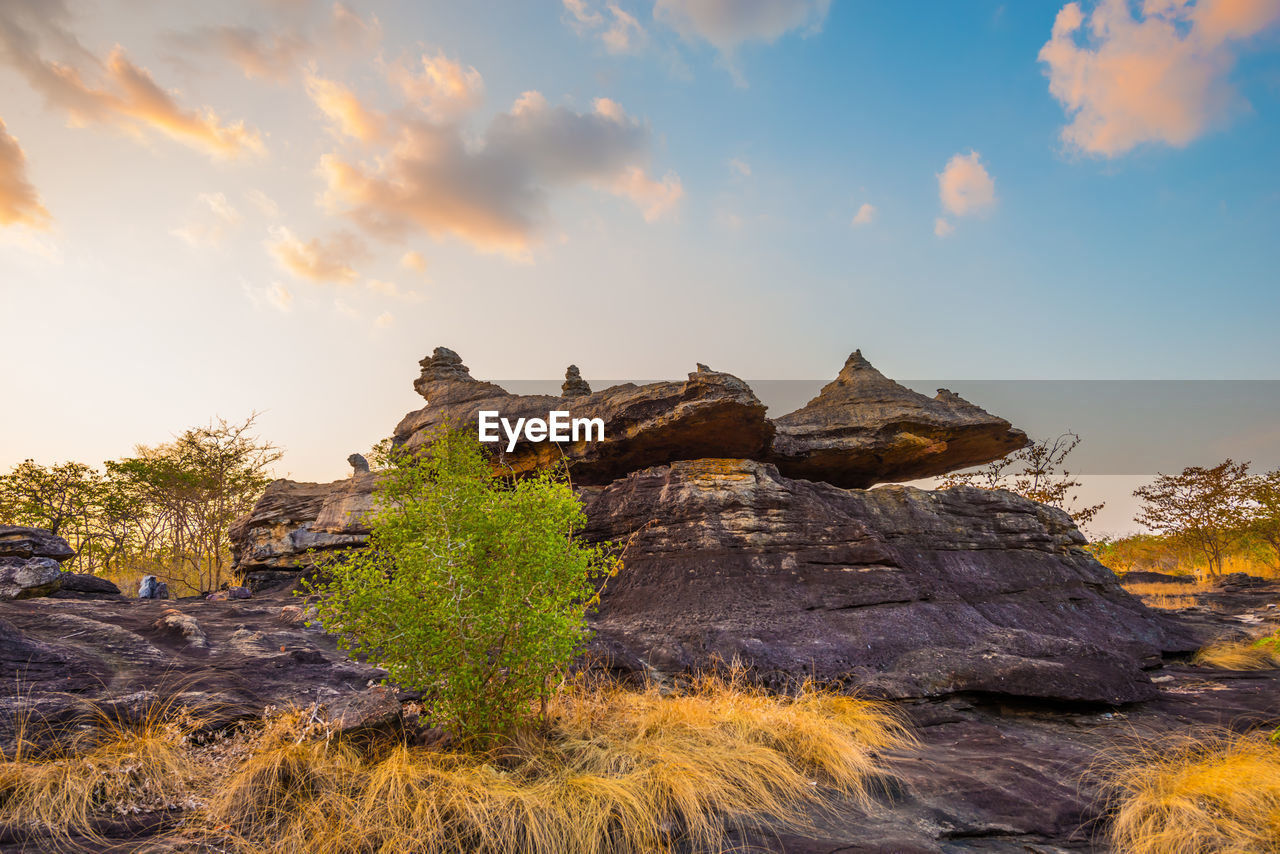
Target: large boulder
x=29 y=562
x=864 y=428
x=902 y=591
x=281 y=535
x=710 y=414
x=22 y=542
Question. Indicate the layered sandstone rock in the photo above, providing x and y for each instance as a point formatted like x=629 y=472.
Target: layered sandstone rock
x=30 y=562
x=896 y=589
x=711 y=413
x=864 y=429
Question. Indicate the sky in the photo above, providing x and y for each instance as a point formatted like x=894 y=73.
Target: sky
x=280 y=206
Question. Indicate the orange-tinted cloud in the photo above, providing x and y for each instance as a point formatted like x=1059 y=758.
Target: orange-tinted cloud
x=621 y=32
x=492 y=192
x=965 y=187
x=348 y=115
x=317 y=260
x=19 y=202
x=441 y=87
x=1158 y=76
x=124 y=95
x=865 y=215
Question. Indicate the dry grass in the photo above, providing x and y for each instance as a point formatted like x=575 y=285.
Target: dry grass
x=617 y=770
x=1258 y=654
x=1220 y=795
x=614 y=769
x=107 y=769
x=1169 y=597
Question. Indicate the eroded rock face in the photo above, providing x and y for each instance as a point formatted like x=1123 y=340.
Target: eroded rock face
x=902 y=591
x=274 y=540
x=864 y=429
x=22 y=542
x=710 y=414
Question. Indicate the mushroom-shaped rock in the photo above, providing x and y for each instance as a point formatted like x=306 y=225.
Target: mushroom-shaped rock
x=574 y=384
x=864 y=429
x=358 y=463
x=445 y=379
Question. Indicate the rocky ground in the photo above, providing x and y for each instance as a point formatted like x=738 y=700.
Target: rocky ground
x=991 y=773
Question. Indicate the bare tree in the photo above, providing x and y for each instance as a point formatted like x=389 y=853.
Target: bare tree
x=1037 y=472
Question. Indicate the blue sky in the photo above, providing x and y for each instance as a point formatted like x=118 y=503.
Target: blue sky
x=703 y=212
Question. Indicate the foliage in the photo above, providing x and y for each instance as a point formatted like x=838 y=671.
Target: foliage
x=1214 y=794
x=473 y=588
x=165 y=511
x=1037 y=472
x=1199 y=506
x=1264 y=521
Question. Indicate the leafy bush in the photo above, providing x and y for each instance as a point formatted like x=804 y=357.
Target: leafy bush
x=473 y=588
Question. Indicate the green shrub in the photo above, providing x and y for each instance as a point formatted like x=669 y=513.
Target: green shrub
x=472 y=590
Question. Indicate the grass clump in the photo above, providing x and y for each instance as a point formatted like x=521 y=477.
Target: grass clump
x=1261 y=654
x=107 y=769
x=612 y=770
x=1216 y=795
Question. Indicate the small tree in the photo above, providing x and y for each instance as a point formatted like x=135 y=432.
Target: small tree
x=1264 y=511
x=1037 y=472
x=473 y=588
x=1203 y=507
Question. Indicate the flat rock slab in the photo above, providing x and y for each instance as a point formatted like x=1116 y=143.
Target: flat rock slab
x=230 y=659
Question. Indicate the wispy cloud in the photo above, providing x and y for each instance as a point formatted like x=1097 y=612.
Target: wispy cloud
x=965 y=188
x=217 y=220
x=865 y=215
x=115 y=92
x=330 y=259
x=19 y=202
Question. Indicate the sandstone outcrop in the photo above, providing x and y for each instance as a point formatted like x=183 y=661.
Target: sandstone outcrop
x=710 y=414
x=902 y=591
x=755 y=540
x=30 y=562
x=864 y=428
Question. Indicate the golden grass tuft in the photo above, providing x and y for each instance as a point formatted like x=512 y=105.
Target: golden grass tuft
x=615 y=770
x=109 y=768
x=1240 y=655
x=1217 y=795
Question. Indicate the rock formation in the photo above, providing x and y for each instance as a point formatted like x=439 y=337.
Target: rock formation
x=903 y=591
x=574 y=385
x=30 y=562
x=710 y=414
x=864 y=429
x=756 y=540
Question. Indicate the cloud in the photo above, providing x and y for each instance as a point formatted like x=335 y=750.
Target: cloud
x=277 y=55
x=384 y=320
x=1158 y=76
x=727 y=24
x=620 y=32
x=264 y=203
x=740 y=167
x=942 y=228
x=214 y=225
x=346 y=112
x=443 y=89
x=492 y=190
x=390 y=289
x=414 y=260
x=275 y=296
x=317 y=260
x=965 y=187
x=656 y=199
x=865 y=216
x=19 y=202
x=121 y=95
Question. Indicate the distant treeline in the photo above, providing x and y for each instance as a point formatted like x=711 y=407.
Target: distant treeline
x=164 y=511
